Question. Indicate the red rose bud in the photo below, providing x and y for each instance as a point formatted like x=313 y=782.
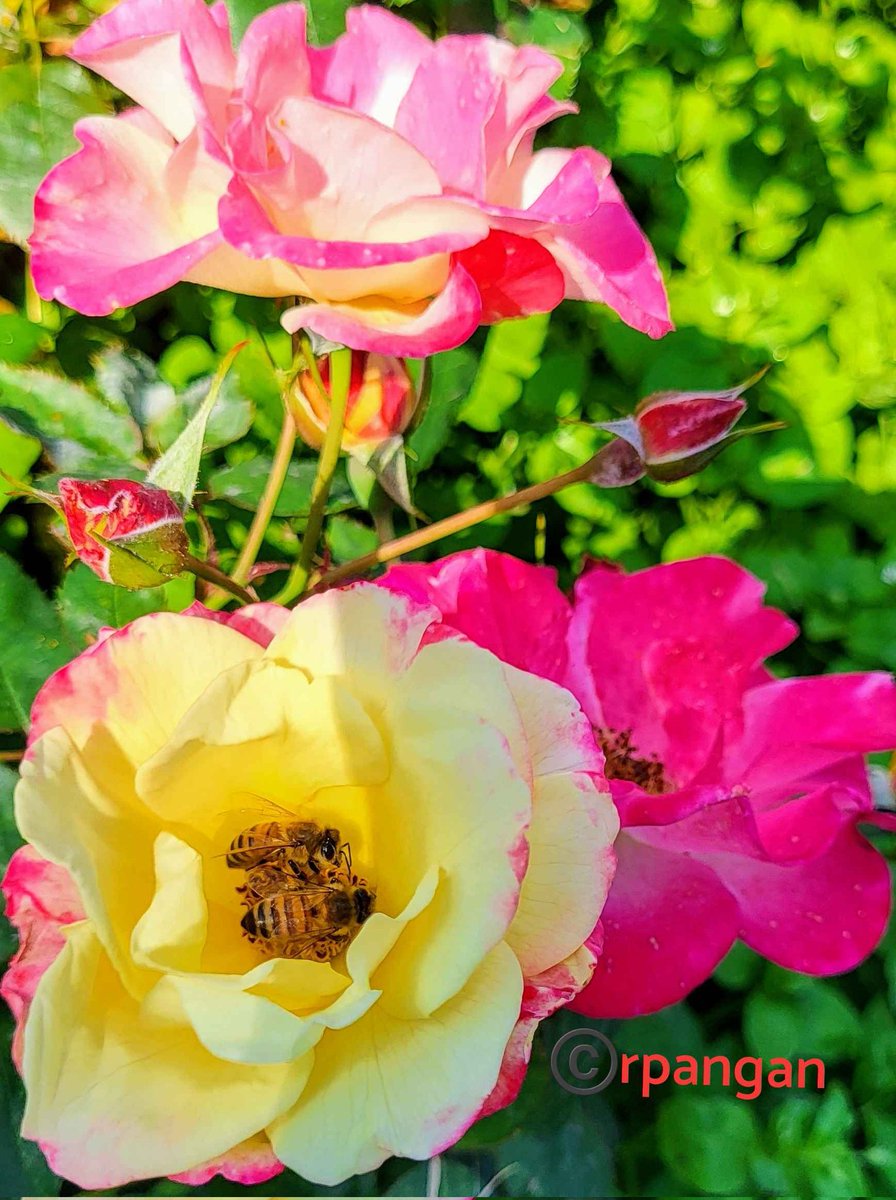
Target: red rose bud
x=128 y=533
x=381 y=402
x=675 y=434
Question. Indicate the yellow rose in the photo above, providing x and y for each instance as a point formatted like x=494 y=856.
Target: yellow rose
x=159 y=1040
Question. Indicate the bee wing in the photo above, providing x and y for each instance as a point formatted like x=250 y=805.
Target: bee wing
x=262 y=806
x=257 y=846
x=303 y=943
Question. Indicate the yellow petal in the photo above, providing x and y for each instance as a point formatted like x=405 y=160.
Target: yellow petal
x=455 y=799
x=105 y=843
x=574 y=824
x=388 y=1086
x=264 y=730
x=363 y=633
x=233 y=1025
x=115 y=1098
x=139 y=681
x=171 y=933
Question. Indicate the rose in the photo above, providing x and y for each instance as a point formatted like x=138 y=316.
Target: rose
x=388 y=180
x=740 y=795
x=128 y=533
x=379 y=407
x=157 y=1040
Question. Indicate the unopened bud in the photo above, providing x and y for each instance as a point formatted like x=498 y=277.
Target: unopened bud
x=381 y=402
x=675 y=434
x=130 y=534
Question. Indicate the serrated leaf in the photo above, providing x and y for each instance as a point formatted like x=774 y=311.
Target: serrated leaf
x=37 y=113
x=34 y=644
x=178 y=468
x=72 y=424
x=130 y=379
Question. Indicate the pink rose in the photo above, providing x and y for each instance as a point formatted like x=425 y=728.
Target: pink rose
x=740 y=795
x=388 y=181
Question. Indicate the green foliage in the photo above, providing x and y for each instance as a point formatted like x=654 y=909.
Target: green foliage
x=37 y=112
x=755 y=143
x=326 y=18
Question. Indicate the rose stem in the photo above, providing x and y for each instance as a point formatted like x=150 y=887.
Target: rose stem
x=205 y=570
x=340 y=380
x=457 y=522
x=266 y=505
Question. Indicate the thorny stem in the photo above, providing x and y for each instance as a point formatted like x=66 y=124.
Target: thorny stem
x=457 y=522
x=204 y=570
x=340 y=379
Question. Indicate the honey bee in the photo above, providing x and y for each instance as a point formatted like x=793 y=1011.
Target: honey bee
x=306 y=841
x=314 y=921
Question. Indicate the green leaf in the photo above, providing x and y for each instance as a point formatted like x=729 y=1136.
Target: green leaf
x=86 y=603
x=810 y=1019
x=34 y=644
x=130 y=380
x=23 y=1169
x=178 y=468
x=708 y=1141
x=20 y=339
x=243 y=483
x=512 y=355
x=73 y=425
x=18 y=452
x=452 y=377
x=10 y=838
x=37 y=113
x=326 y=18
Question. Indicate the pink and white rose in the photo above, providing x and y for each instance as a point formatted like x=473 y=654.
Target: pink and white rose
x=387 y=181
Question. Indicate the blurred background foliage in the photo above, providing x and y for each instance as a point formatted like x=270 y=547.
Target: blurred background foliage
x=756 y=143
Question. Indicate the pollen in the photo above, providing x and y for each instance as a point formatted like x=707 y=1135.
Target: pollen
x=623 y=762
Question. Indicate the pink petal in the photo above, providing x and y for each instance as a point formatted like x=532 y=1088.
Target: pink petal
x=551 y=188
x=543 y=995
x=608 y=258
x=515 y=276
x=273 y=59
x=820 y=916
x=248 y=227
x=667 y=924
x=84 y=250
x=248 y=1164
x=369 y=69
x=260 y=622
x=446 y=108
x=138 y=46
x=796 y=728
x=443 y=324
x=40 y=899
x=667 y=652
x=510 y=607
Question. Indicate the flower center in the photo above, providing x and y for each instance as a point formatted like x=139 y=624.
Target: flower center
x=623 y=762
x=301 y=896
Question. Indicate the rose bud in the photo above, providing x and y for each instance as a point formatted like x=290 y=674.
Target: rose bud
x=381 y=402
x=675 y=434
x=131 y=534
